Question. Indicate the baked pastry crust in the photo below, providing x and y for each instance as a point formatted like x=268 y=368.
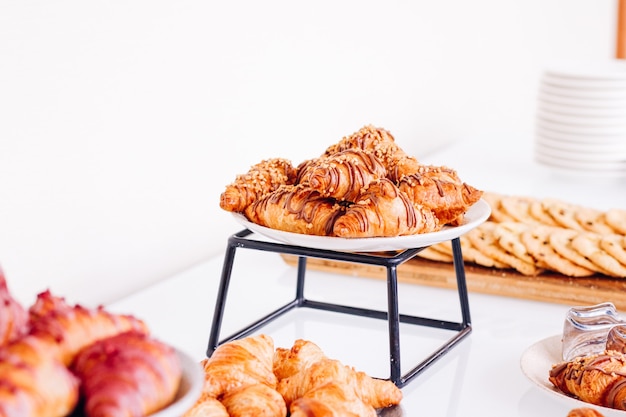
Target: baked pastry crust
x=384 y=210
x=297 y=209
x=595 y=379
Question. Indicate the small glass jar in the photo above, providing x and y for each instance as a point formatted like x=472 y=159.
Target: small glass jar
x=586 y=329
x=616 y=338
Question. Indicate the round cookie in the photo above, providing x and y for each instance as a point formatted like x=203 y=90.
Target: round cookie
x=564 y=214
x=433 y=254
x=615 y=245
x=592 y=220
x=518 y=208
x=484 y=239
x=588 y=244
x=508 y=236
x=561 y=242
x=537 y=242
x=537 y=211
x=616 y=218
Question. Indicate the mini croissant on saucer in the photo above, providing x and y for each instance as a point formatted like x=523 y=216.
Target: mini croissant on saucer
x=365 y=185
x=596 y=379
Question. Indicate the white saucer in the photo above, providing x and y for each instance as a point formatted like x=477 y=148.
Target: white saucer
x=476 y=215
x=536 y=362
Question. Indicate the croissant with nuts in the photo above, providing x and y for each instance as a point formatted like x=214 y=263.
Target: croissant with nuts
x=261 y=178
x=383 y=145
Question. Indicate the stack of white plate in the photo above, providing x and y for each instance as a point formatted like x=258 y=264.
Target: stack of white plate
x=581 y=119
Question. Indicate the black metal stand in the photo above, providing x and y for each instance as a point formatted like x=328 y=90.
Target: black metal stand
x=392 y=315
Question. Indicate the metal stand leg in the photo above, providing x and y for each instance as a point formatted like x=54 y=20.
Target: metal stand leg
x=392 y=315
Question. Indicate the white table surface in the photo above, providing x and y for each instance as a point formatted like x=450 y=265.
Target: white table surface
x=479 y=377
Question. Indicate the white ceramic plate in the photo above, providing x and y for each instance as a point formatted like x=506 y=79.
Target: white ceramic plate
x=583 y=83
x=589 y=151
x=584 y=94
x=581 y=102
x=611 y=69
x=190 y=388
x=536 y=362
x=610 y=131
x=603 y=140
x=581 y=111
x=588 y=121
x=604 y=159
x=476 y=215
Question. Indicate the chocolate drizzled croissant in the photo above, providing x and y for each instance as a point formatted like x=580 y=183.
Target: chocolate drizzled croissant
x=595 y=379
x=383 y=210
x=297 y=209
x=441 y=190
x=383 y=145
x=342 y=175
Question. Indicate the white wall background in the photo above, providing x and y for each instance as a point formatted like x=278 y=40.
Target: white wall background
x=122 y=121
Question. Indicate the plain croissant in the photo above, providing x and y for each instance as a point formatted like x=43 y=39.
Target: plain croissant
x=34 y=383
x=13 y=317
x=261 y=178
x=65 y=329
x=377 y=393
x=238 y=363
x=595 y=379
x=302 y=354
x=384 y=210
x=258 y=400
x=126 y=375
x=207 y=406
x=331 y=400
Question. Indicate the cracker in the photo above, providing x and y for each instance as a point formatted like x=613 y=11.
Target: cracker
x=498 y=214
x=518 y=208
x=538 y=212
x=508 y=237
x=537 y=242
x=433 y=254
x=561 y=242
x=472 y=254
x=593 y=220
x=484 y=239
x=564 y=214
x=616 y=218
x=588 y=244
x=615 y=245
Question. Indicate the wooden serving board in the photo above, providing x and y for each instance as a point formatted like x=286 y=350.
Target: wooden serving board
x=549 y=287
